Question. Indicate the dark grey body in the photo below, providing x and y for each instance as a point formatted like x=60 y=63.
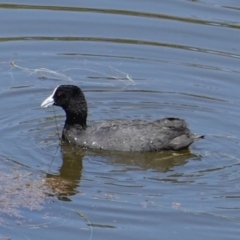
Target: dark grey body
x=136 y=135
x=117 y=135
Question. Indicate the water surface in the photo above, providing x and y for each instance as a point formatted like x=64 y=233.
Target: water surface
x=137 y=59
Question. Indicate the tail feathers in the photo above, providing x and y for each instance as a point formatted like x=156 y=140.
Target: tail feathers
x=196 y=137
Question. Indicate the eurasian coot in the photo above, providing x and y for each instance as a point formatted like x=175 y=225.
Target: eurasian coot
x=117 y=135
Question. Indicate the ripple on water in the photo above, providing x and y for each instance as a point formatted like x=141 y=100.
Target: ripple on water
x=144 y=60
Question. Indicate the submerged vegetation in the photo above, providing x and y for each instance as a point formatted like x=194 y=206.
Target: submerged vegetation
x=20 y=189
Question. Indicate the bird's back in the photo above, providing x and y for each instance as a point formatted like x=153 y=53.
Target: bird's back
x=135 y=135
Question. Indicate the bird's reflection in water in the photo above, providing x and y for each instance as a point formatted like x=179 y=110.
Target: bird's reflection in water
x=156 y=161
x=67 y=182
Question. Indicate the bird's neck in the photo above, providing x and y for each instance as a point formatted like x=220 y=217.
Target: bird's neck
x=78 y=121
